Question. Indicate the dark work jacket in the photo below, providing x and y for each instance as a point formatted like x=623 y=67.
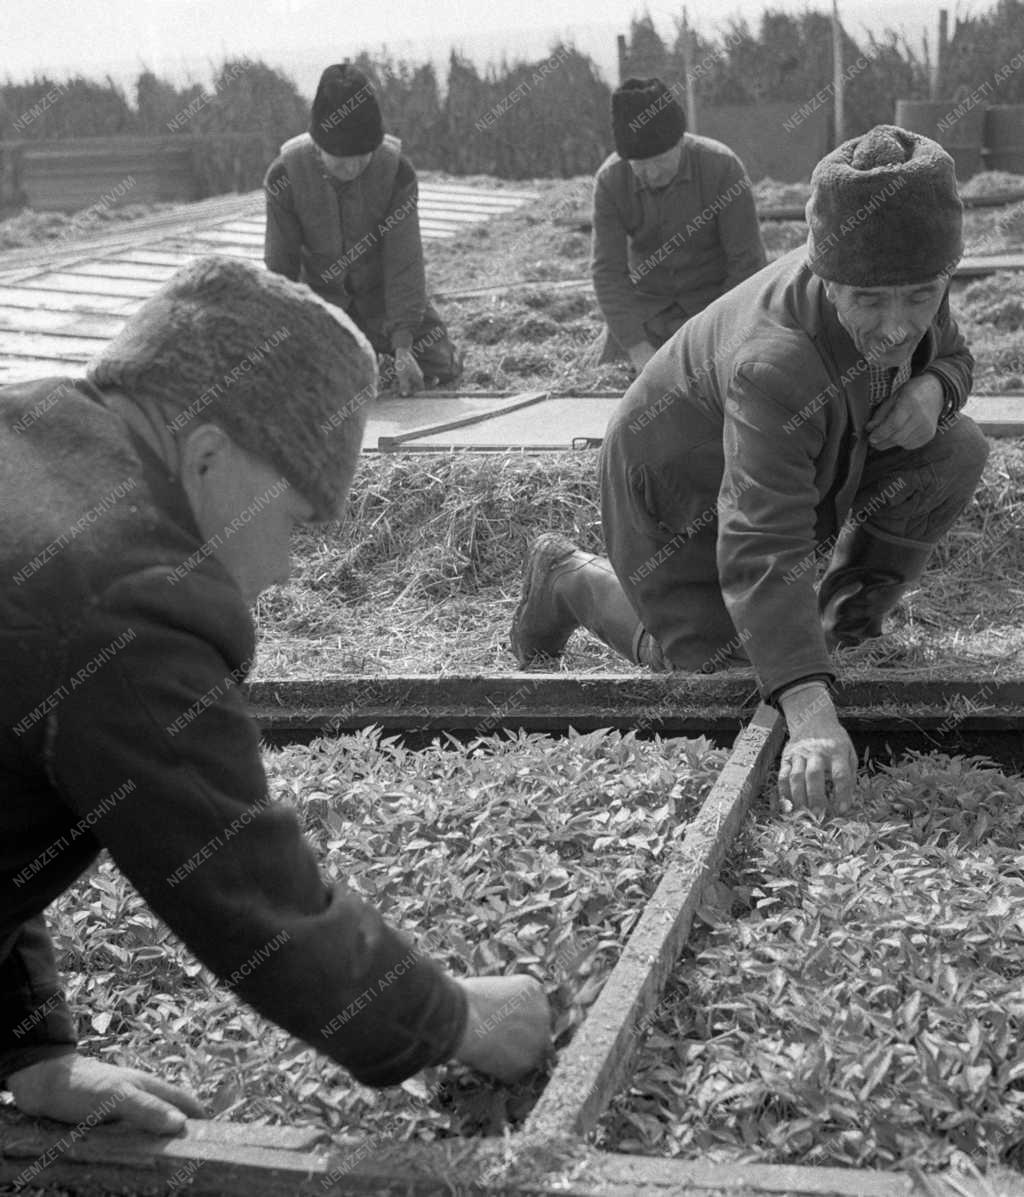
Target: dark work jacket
x=771 y=366
x=354 y=243
x=686 y=243
x=122 y=727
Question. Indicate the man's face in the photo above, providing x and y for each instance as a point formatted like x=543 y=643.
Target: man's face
x=886 y=323
x=344 y=169
x=660 y=170
x=245 y=510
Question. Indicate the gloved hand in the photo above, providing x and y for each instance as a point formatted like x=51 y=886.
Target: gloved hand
x=410 y=377
x=819 y=752
x=508 y=1029
x=641 y=354
x=74 y=1088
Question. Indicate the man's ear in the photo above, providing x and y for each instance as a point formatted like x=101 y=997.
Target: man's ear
x=204 y=448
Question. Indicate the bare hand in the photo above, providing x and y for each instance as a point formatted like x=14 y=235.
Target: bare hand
x=509 y=1026
x=74 y=1088
x=819 y=752
x=410 y=376
x=909 y=417
x=641 y=354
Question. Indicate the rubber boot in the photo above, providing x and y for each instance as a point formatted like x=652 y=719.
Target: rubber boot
x=563 y=589
x=865 y=580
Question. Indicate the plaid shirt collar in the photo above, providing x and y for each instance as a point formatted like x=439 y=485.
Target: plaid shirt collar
x=884 y=380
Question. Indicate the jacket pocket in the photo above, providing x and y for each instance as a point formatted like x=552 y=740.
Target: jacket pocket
x=681 y=496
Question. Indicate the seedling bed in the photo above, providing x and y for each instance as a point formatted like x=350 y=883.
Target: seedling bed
x=855 y=993
x=553 y=1150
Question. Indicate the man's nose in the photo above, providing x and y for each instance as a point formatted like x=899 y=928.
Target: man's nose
x=894 y=326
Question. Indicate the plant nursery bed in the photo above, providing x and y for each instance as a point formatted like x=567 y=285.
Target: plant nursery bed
x=549 y=1152
x=854 y=996
x=509 y=854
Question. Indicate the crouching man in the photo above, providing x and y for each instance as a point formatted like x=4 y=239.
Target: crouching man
x=675 y=224
x=811 y=411
x=342 y=215
x=145 y=508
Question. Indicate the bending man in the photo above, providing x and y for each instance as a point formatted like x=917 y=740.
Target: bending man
x=675 y=224
x=145 y=508
x=342 y=216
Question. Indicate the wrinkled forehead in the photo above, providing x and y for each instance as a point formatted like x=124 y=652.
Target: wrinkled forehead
x=342 y=160
x=931 y=287
x=662 y=159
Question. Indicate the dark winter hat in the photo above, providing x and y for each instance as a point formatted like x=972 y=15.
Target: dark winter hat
x=346 y=117
x=884 y=211
x=646 y=119
x=286 y=375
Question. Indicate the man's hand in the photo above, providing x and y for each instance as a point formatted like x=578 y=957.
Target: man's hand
x=410 y=377
x=818 y=751
x=909 y=417
x=74 y=1088
x=641 y=354
x=509 y=1026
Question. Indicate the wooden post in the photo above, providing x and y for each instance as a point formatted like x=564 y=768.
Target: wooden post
x=621 y=42
x=941 y=50
x=691 y=94
x=838 y=82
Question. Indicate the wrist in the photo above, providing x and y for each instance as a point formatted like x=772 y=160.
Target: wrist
x=401 y=342
x=468 y=1045
x=807 y=701
x=940 y=396
x=32 y=1079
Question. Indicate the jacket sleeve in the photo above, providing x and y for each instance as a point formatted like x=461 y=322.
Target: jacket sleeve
x=738 y=227
x=282 y=239
x=953 y=362
x=766 y=543
x=610 y=270
x=405 y=283
x=35 y=1023
x=226 y=868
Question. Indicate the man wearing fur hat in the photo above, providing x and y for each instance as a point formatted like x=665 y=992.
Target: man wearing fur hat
x=812 y=412
x=675 y=224
x=145 y=508
x=342 y=216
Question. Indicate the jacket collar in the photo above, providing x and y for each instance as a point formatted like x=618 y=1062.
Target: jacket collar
x=161 y=481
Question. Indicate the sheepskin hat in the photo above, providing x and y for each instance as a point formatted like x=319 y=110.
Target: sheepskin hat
x=646 y=118
x=346 y=118
x=287 y=376
x=884 y=211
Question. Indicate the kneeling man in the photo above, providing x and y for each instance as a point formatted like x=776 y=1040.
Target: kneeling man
x=813 y=410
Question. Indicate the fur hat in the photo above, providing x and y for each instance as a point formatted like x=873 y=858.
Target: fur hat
x=646 y=119
x=346 y=118
x=287 y=376
x=884 y=211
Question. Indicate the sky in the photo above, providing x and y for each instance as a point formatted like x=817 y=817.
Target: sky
x=181 y=39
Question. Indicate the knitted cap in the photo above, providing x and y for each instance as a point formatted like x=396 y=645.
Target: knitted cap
x=646 y=119
x=346 y=118
x=884 y=211
x=287 y=376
